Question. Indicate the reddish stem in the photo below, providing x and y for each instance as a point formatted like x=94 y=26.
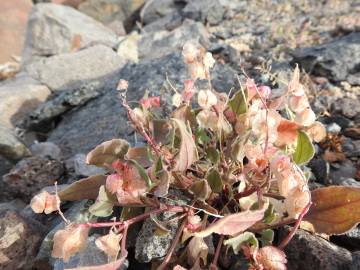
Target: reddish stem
x=287 y=239
x=245 y=193
x=172 y=247
x=213 y=265
x=127 y=223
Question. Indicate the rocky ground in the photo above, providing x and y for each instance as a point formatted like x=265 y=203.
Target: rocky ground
x=60 y=101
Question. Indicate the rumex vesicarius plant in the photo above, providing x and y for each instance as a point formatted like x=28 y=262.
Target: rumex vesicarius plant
x=237 y=157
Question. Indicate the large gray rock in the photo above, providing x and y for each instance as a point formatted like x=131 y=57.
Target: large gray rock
x=46 y=150
x=157 y=44
x=20 y=239
x=94 y=68
x=104 y=118
x=156 y=9
x=335 y=60
x=18 y=97
x=107 y=11
x=169 y=22
x=10 y=146
x=84 y=75
x=306 y=250
x=207 y=11
x=54 y=29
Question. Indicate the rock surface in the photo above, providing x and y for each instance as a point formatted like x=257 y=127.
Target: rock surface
x=154 y=10
x=150 y=245
x=11 y=147
x=30 y=175
x=306 y=250
x=13 y=19
x=157 y=44
x=18 y=97
x=207 y=11
x=78 y=165
x=334 y=60
x=19 y=241
x=108 y=11
x=46 y=150
x=55 y=29
x=84 y=69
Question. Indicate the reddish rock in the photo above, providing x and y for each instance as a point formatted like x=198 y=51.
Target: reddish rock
x=13 y=20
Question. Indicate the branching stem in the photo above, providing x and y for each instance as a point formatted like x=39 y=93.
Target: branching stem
x=172 y=247
x=213 y=265
x=287 y=239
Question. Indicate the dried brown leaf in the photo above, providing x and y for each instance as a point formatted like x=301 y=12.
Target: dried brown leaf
x=87 y=188
x=106 y=153
x=335 y=209
x=187 y=153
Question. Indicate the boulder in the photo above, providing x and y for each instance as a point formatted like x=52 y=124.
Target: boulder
x=169 y=22
x=55 y=29
x=94 y=69
x=108 y=11
x=207 y=11
x=156 y=9
x=20 y=240
x=77 y=165
x=11 y=147
x=30 y=175
x=104 y=118
x=46 y=150
x=81 y=80
x=157 y=44
x=306 y=250
x=335 y=60
x=13 y=19
x=18 y=97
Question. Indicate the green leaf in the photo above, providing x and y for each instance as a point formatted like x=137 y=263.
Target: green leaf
x=201 y=136
x=201 y=189
x=269 y=215
x=237 y=147
x=246 y=238
x=106 y=153
x=212 y=154
x=267 y=237
x=103 y=206
x=129 y=212
x=214 y=179
x=187 y=153
x=238 y=103
x=87 y=188
x=305 y=150
x=158 y=167
x=142 y=172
